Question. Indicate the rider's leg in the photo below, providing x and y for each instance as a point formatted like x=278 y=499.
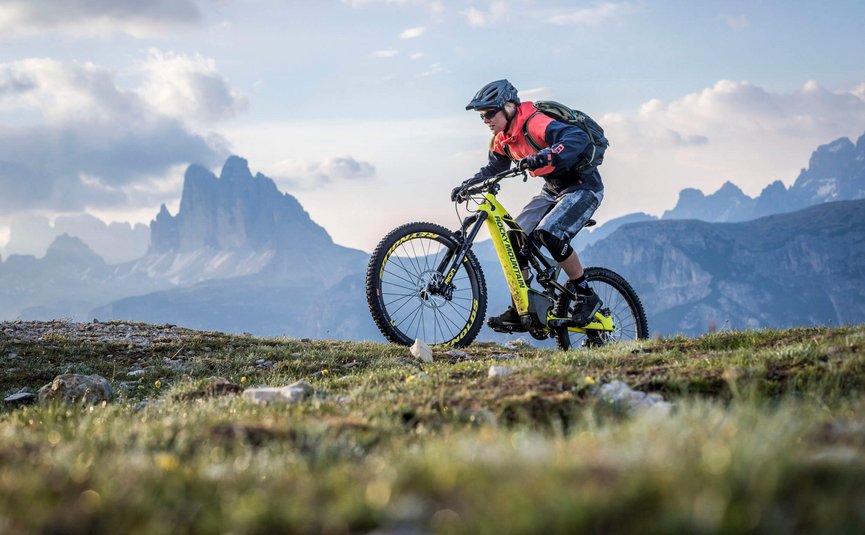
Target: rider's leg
x=572 y=266
x=556 y=230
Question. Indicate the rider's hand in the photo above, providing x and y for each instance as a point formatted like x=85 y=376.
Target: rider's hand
x=539 y=159
x=455 y=193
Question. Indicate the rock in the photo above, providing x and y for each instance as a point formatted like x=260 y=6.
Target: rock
x=292 y=393
x=516 y=344
x=136 y=373
x=24 y=396
x=500 y=371
x=421 y=351
x=506 y=356
x=623 y=397
x=212 y=387
x=72 y=388
x=303 y=386
x=128 y=386
x=458 y=354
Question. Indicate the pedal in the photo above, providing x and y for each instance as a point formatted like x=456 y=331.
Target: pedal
x=506 y=328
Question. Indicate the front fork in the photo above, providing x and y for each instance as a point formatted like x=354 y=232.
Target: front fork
x=454 y=258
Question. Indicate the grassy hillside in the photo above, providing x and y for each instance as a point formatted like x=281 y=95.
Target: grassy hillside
x=767 y=434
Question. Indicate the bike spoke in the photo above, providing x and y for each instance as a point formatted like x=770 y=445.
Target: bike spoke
x=412 y=283
x=399 y=261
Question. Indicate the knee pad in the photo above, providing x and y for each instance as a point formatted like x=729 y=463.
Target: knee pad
x=560 y=249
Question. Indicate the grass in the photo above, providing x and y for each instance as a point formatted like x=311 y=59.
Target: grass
x=767 y=435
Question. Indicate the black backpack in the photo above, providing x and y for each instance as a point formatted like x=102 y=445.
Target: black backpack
x=593 y=156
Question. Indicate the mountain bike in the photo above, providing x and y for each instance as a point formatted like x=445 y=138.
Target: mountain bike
x=424 y=281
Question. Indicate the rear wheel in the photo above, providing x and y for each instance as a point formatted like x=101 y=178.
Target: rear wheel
x=405 y=293
x=618 y=300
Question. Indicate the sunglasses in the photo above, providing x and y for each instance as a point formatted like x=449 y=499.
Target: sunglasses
x=489 y=114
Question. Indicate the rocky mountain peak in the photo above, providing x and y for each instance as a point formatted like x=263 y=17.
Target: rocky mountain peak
x=235 y=169
x=728 y=189
x=71 y=250
x=729 y=203
x=836 y=171
x=832 y=156
x=236 y=211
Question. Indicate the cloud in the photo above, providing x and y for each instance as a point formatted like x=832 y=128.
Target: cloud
x=731 y=131
x=498 y=11
x=412 y=33
x=416 y=56
x=389 y=53
x=304 y=175
x=737 y=23
x=189 y=87
x=92 y=141
x=95 y=17
x=535 y=93
x=434 y=69
x=434 y=6
x=592 y=16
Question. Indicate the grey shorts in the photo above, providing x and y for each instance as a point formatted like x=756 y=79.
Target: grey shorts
x=561 y=216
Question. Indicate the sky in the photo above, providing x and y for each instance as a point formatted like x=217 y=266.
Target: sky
x=356 y=107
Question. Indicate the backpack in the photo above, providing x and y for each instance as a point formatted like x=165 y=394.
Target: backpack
x=593 y=156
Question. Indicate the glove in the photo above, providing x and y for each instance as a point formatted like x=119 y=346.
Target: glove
x=539 y=159
x=456 y=193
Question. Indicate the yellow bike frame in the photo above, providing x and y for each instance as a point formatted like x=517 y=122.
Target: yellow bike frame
x=499 y=222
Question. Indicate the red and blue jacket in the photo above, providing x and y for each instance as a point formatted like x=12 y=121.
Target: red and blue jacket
x=567 y=143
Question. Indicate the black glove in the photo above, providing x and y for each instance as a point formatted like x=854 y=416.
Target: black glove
x=539 y=159
x=456 y=193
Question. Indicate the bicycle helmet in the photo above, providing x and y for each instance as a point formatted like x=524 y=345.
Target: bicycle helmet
x=494 y=95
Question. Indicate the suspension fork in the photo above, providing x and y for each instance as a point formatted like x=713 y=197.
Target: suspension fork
x=455 y=259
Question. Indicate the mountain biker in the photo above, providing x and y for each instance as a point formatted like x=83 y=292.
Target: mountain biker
x=567 y=199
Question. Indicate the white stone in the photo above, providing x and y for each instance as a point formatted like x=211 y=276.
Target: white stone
x=72 y=388
x=292 y=393
x=459 y=354
x=422 y=351
x=500 y=371
x=622 y=396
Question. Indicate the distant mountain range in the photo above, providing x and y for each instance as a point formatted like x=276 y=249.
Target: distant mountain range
x=836 y=172
x=800 y=268
x=241 y=256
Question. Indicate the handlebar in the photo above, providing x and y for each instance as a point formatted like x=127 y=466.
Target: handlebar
x=477 y=185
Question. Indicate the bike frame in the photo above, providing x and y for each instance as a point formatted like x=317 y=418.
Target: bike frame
x=499 y=222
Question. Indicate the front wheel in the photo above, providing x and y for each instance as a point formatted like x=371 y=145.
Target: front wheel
x=405 y=293
x=618 y=300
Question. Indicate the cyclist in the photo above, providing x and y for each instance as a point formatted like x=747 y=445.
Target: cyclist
x=567 y=199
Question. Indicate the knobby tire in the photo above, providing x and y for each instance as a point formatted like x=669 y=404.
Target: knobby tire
x=625 y=305
x=398 y=270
